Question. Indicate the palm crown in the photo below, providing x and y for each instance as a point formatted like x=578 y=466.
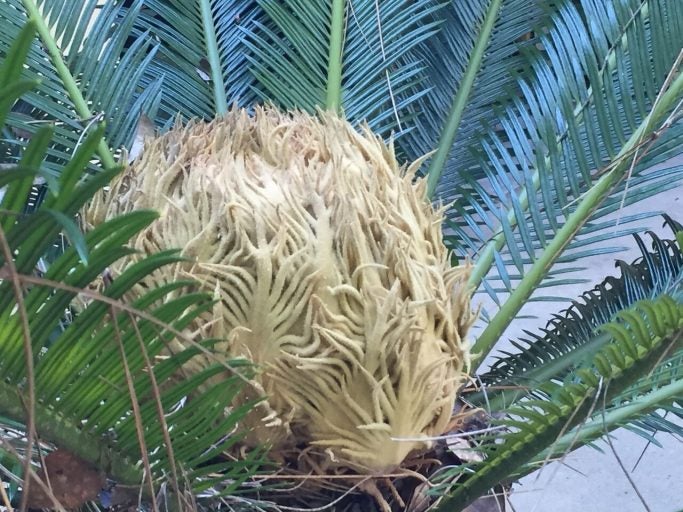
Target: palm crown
x=540 y=119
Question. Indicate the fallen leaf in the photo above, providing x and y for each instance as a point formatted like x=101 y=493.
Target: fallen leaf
x=204 y=70
x=74 y=482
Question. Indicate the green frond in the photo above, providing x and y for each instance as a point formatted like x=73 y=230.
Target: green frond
x=449 y=69
x=642 y=409
x=573 y=337
x=556 y=154
x=201 y=63
x=378 y=77
x=87 y=72
x=640 y=337
x=93 y=378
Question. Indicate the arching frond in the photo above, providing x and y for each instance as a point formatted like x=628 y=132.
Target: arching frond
x=88 y=72
x=448 y=70
x=560 y=158
x=104 y=385
x=574 y=336
x=292 y=56
x=202 y=56
x=640 y=338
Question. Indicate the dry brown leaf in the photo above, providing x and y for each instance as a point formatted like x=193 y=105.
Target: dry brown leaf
x=462 y=449
x=420 y=500
x=73 y=481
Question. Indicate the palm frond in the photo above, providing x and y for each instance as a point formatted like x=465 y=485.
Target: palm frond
x=202 y=57
x=95 y=387
x=573 y=337
x=290 y=56
x=641 y=409
x=88 y=72
x=556 y=154
x=451 y=70
x=640 y=338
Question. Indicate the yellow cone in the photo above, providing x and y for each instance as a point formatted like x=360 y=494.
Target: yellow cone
x=330 y=271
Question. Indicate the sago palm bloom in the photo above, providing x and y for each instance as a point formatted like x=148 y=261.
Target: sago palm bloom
x=329 y=271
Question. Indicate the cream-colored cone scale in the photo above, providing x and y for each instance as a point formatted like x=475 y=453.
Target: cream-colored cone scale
x=330 y=272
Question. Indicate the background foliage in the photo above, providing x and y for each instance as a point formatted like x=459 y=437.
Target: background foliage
x=545 y=118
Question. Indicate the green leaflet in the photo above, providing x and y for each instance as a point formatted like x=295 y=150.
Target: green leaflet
x=640 y=337
x=83 y=397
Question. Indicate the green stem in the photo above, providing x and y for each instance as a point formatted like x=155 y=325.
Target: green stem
x=454 y=119
x=334 y=62
x=65 y=434
x=590 y=202
x=494 y=330
x=219 y=91
x=67 y=78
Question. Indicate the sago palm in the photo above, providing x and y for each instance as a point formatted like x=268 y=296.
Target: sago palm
x=538 y=119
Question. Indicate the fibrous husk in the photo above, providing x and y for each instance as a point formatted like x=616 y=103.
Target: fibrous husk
x=330 y=271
